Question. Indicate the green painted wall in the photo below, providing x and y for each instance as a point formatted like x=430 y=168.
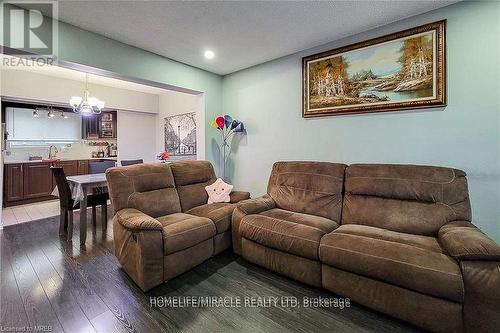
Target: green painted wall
x=464 y=135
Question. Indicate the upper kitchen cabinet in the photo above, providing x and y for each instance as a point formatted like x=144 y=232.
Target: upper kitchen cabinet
x=24 y=124
x=102 y=126
x=90 y=127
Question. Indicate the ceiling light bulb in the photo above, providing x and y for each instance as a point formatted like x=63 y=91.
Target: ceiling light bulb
x=35 y=114
x=93 y=101
x=209 y=54
x=75 y=101
x=100 y=104
x=50 y=114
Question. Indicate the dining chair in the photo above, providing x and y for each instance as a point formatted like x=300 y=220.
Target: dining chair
x=131 y=162
x=67 y=203
x=100 y=166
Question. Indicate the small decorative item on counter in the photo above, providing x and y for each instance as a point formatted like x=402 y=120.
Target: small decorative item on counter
x=94 y=154
x=228 y=127
x=162 y=156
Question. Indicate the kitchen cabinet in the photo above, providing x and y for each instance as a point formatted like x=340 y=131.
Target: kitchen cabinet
x=107 y=125
x=70 y=167
x=33 y=181
x=102 y=126
x=83 y=167
x=90 y=126
x=37 y=180
x=13 y=182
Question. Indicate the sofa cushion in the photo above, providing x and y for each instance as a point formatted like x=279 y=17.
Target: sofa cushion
x=394 y=261
x=405 y=198
x=291 y=237
x=308 y=187
x=191 y=177
x=220 y=214
x=319 y=222
x=423 y=242
x=181 y=231
x=148 y=187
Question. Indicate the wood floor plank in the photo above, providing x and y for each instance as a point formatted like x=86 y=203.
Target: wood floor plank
x=12 y=309
x=111 y=301
x=68 y=311
x=107 y=322
x=36 y=304
x=71 y=273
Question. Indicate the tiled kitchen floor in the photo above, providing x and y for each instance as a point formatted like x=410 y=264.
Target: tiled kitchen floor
x=30 y=212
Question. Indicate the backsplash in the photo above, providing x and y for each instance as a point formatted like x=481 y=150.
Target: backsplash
x=77 y=150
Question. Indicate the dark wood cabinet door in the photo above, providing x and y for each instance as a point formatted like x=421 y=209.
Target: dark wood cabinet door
x=37 y=180
x=70 y=167
x=13 y=182
x=83 y=167
x=90 y=127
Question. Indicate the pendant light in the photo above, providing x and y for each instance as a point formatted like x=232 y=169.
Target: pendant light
x=86 y=105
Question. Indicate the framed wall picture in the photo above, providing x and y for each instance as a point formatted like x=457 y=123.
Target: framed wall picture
x=400 y=71
x=180 y=136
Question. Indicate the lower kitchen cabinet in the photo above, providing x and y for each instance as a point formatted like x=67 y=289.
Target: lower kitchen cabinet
x=70 y=167
x=83 y=167
x=31 y=182
x=13 y=182
x=37 y=180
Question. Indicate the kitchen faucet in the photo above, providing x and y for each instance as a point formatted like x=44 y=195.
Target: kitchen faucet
x=55 y=151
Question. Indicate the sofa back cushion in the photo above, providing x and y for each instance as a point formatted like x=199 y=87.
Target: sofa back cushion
x=191 y=177
x=308 y=187
x=149 y=188
x=405 y=198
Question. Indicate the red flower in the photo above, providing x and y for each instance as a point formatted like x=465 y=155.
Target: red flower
x=164 y=155
x=220 y=122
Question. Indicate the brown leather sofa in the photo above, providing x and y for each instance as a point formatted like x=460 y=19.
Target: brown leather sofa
x=163 y=225
x=395 y=238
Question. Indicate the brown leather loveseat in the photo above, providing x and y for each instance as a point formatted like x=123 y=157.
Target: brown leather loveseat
x=163 y=225
x=395 y=238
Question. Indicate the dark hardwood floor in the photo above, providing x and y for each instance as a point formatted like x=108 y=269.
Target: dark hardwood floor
x=46 y=281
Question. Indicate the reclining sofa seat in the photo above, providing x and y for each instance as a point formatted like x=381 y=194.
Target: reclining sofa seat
x=405 y=245
x=282 y=230
x=161 y=230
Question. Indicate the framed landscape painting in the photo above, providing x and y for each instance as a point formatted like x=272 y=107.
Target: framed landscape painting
x=404 y=70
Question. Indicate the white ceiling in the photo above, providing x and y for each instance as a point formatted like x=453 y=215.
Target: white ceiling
x=241 y=33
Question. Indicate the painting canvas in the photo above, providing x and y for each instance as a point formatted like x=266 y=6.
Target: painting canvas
x=180 y=136
x=399 y=71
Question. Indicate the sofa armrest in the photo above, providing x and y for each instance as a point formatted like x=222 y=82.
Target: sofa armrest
x=244 y=208
x=237 y=196
x=136 y=220
x=464 y=241
x=257 y=205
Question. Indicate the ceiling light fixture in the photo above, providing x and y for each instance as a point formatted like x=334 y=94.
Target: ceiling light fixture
x=35 y=113
x=86 y=105
x=50 y=114
x=64 y=115
x=209 y=54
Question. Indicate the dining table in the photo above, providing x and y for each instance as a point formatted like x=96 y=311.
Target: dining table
x=81 y=187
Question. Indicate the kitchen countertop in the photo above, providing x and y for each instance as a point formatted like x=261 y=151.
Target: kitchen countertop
x=62 y=160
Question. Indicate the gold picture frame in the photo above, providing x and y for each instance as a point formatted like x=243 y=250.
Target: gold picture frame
x=401 y=71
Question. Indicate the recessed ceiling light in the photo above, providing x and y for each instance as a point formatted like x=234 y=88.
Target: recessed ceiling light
x=209 y=54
